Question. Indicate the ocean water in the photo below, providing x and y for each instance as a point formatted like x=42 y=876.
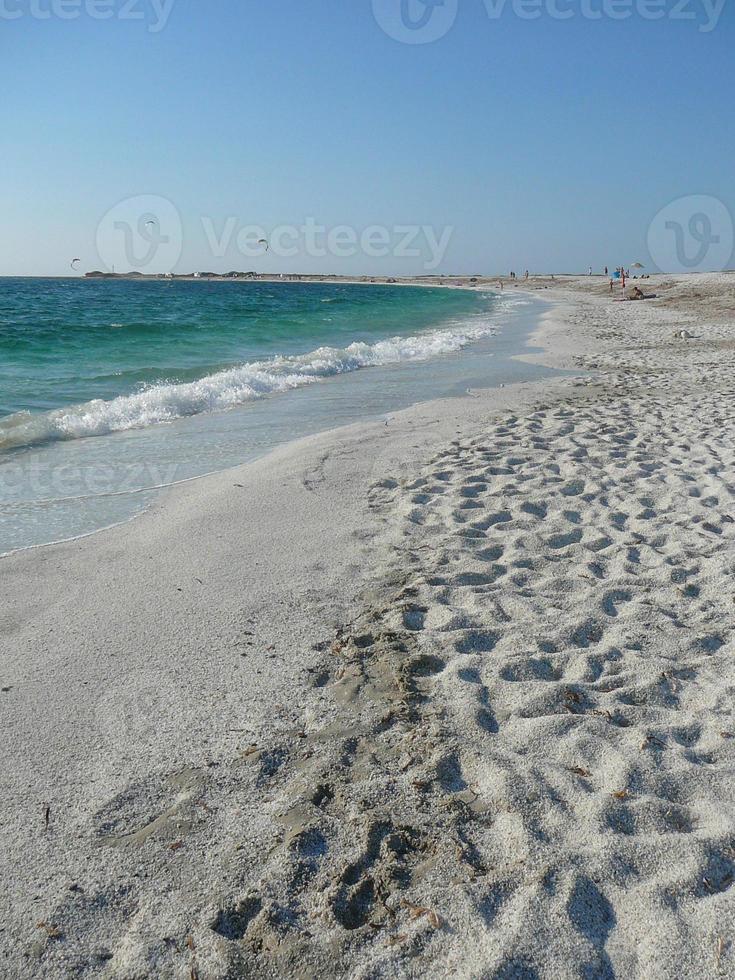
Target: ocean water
x=112 y=390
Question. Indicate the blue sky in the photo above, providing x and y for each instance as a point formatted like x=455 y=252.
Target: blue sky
x=544 y=144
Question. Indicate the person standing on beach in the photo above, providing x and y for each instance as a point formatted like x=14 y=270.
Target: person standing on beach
x=590 y=271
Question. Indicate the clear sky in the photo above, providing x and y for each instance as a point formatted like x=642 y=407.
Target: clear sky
x=549 y=144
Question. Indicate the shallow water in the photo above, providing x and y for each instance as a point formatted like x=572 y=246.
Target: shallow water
x=112 y=390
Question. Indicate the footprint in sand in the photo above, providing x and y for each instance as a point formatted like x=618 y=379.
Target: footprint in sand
x=564 y=540
x=532 y=669
x=477 y=578
x=587 y=634
x=477 y=641
x=232 y=922
x=573 y=489
x=501 y=517
x=614 y=599
x=535 y=510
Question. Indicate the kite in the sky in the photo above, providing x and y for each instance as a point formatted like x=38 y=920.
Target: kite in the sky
x=74 y=263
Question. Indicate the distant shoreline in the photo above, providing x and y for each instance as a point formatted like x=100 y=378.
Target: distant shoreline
x=433 y=280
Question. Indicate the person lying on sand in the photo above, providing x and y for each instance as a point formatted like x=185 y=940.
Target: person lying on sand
x=637 y=293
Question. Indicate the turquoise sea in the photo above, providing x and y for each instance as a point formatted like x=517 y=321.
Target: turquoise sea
x=110 y=390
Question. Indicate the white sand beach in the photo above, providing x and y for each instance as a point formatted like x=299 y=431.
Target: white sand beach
x=447 y=696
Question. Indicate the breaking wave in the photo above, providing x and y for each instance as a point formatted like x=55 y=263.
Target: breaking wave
x=167 y=401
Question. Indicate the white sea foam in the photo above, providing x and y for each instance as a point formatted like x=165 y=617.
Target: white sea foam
x=165 y=402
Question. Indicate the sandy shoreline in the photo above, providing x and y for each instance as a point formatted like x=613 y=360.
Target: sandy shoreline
x=444 y=378
x=448 y=696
